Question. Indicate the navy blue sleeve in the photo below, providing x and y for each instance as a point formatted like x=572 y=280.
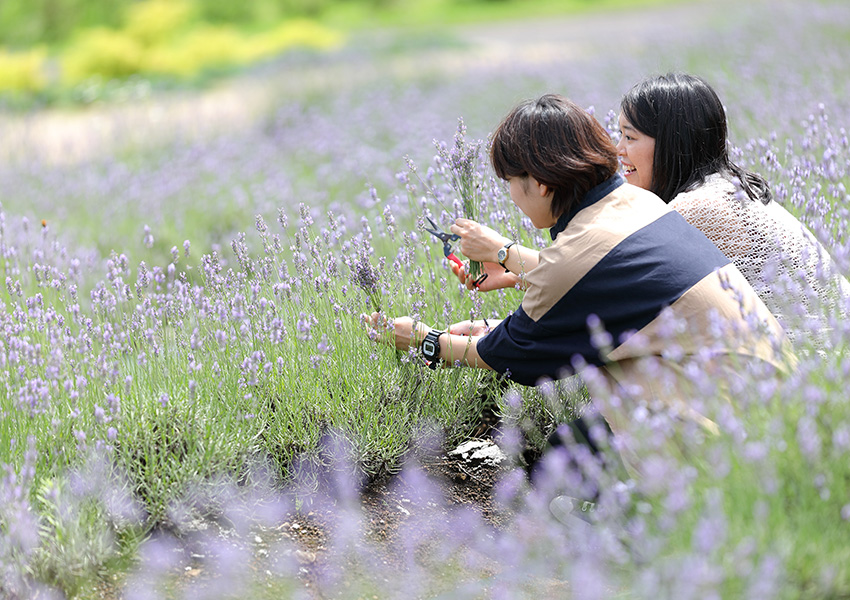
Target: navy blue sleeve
x=527 y=351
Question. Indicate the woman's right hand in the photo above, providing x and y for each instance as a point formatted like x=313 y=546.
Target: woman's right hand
x=478 y=242
x=495 y=279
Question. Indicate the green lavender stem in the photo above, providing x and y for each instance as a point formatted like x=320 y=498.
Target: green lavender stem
x=462 y=161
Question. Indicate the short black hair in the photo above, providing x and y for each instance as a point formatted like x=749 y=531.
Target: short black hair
x=558 y=143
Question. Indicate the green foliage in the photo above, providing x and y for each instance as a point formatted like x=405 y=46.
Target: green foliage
x=80 y=535
x=92 y=41
x=166 y=39
x=26 y=22
x=23 y=71
x=438 y=13
x=105 y=52
x=157 y=38
x=157 y=21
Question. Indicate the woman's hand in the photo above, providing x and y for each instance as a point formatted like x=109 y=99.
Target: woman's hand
x=473 y=328
x=478 y=242
x=404 y=333
x=399 y=332
x=496 y=277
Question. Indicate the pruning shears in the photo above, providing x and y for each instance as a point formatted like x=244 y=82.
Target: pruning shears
x=447 y=239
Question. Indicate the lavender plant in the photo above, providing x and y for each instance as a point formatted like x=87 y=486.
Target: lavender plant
x=366 y=278
x=461 y=164
x=229 y=392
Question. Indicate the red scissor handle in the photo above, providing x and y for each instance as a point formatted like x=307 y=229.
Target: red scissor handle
x=451 y=256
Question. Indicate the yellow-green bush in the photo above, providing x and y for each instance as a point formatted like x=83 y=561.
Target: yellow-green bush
x=108 y=53
x=23 y=71
x=222 y=46
x=156 y=21
x=200 y=48
x=291 y=34
x=164 y=37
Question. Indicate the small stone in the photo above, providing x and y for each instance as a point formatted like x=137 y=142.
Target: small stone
x=483 y=451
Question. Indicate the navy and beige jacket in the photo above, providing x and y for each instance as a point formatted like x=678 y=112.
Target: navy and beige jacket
x=660 y=288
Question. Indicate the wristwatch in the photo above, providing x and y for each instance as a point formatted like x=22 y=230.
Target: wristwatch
x=502 y=255
x=431 y=348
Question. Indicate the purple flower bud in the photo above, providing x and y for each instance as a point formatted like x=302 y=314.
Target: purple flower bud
x=148 y=240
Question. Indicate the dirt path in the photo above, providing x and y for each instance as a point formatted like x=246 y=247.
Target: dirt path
x=71 y=136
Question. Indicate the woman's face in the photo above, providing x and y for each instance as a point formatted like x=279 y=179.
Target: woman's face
x=534 y=199
x=636 y=151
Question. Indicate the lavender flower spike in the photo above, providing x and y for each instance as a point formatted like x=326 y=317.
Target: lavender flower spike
x=367 y=279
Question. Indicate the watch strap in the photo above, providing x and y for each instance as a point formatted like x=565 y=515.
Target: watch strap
x=504 y=249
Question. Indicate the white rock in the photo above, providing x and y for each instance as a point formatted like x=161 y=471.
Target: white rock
x=480 y=450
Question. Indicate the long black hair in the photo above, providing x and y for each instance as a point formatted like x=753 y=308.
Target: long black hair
x=559 y=144
x=687 y=120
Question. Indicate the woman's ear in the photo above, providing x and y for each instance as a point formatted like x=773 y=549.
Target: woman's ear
x=543 y=189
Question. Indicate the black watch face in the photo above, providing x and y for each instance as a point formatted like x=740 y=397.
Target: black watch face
x=502 y=255
x=429 y=348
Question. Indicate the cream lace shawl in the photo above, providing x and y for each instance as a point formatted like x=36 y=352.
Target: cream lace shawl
x=788 y=268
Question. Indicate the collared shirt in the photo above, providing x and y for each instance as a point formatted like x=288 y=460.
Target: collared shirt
x=594 y=195
x=624 y=256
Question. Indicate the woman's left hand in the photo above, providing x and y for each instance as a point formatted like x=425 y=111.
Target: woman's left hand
x=472 y=328
x=496 y=277
x=402 y=332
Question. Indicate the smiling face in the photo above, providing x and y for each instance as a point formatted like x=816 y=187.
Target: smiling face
x=636 y=151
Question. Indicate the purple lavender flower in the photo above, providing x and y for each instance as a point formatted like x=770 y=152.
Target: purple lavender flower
x=148 y=237
x=366 y=278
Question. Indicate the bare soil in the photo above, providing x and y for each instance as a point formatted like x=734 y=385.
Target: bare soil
x=385 y=503
x=385 y=507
